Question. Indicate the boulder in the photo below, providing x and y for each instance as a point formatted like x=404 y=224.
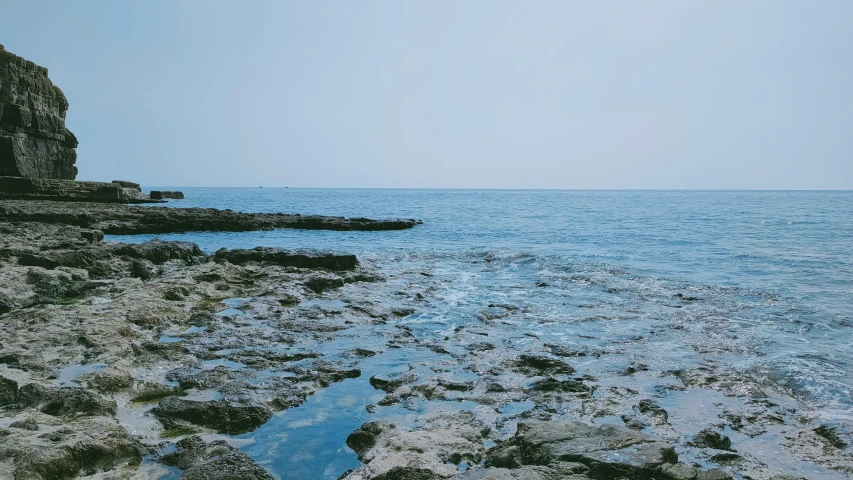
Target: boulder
x=431 y=451
x=610 y=451
x=8 y=392
x=41 y=447
x=213 y=461
x=162 y=194
x=220 y=415
x=64 y=402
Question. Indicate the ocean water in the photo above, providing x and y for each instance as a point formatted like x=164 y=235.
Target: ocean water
x=768 y=278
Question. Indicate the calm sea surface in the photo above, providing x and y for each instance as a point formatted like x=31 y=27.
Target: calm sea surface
x=773 y=271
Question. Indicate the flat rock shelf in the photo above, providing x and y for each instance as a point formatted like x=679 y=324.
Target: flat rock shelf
x=117 y=219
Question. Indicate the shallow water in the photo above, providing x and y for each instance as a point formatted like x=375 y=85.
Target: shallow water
x=761 y=282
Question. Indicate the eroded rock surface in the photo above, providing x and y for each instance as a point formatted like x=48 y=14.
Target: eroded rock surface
x=213 y=461
x=34 y=141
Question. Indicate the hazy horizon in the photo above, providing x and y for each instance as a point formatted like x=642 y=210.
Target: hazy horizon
x=543 y=95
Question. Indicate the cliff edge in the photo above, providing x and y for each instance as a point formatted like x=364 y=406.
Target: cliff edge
x=34 y=142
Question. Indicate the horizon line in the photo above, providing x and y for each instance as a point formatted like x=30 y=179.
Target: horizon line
x=519 y=188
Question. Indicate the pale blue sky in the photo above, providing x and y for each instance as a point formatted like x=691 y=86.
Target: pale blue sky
x=539 y=94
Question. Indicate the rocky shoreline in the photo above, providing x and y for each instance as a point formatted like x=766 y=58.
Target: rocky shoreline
x=122 y=361
x=82 y=322
x=120 y=219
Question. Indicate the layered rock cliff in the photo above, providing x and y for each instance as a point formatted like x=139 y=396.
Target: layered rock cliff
x=34 y=142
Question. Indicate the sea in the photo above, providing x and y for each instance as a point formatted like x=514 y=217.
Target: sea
x=769 y=276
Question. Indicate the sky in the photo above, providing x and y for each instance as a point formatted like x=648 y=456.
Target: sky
x=443 y=94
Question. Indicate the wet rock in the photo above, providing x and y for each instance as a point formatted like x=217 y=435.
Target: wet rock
x=360 y=353
x=326 y=378
x=480 y=347
x=289 y=300
x=609 y=451
x=727 y=458
x=830 y=436
x=213 y=461
x=145 y=391
x=142 y=270
x=161 y=194
x=456 y=386
x=652 y=410
x=429 y=452
x=188 y=377
x=220 y=415
x=710 y=438
x=504 y=456
x=521 y=473
x=714 y=475
x=28 y=424
x=364 y=438
x=562 y=386
x=321 y=283
x=93 y=236
x=286 y=258
x=6 y=304
x=108 y=381
x=159 y=252
x=391 y=382
x=679 y=471
x=8 y=392
x=540 y=365
x=291 y=397
x=176 y=293
x=64 y=401
x=159 y=350
x=60 y=450
x=116 y=219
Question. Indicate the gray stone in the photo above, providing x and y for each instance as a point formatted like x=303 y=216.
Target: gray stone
x=161 y=194
x=220 y=415
x=607 y=450
x=213 y=461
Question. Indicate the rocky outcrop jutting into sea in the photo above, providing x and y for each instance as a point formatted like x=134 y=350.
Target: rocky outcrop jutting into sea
x=34 y=141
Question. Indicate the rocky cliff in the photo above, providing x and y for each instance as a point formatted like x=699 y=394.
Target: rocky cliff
x=34 y=142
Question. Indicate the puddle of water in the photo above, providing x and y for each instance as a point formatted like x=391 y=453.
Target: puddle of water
x=325 y=304
x=236 y=302
x=516 y=408
x=195 y=329
x=223 y=362
x=203 y=396
x=234 y=305
x=66 y=377
x=168 y=339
